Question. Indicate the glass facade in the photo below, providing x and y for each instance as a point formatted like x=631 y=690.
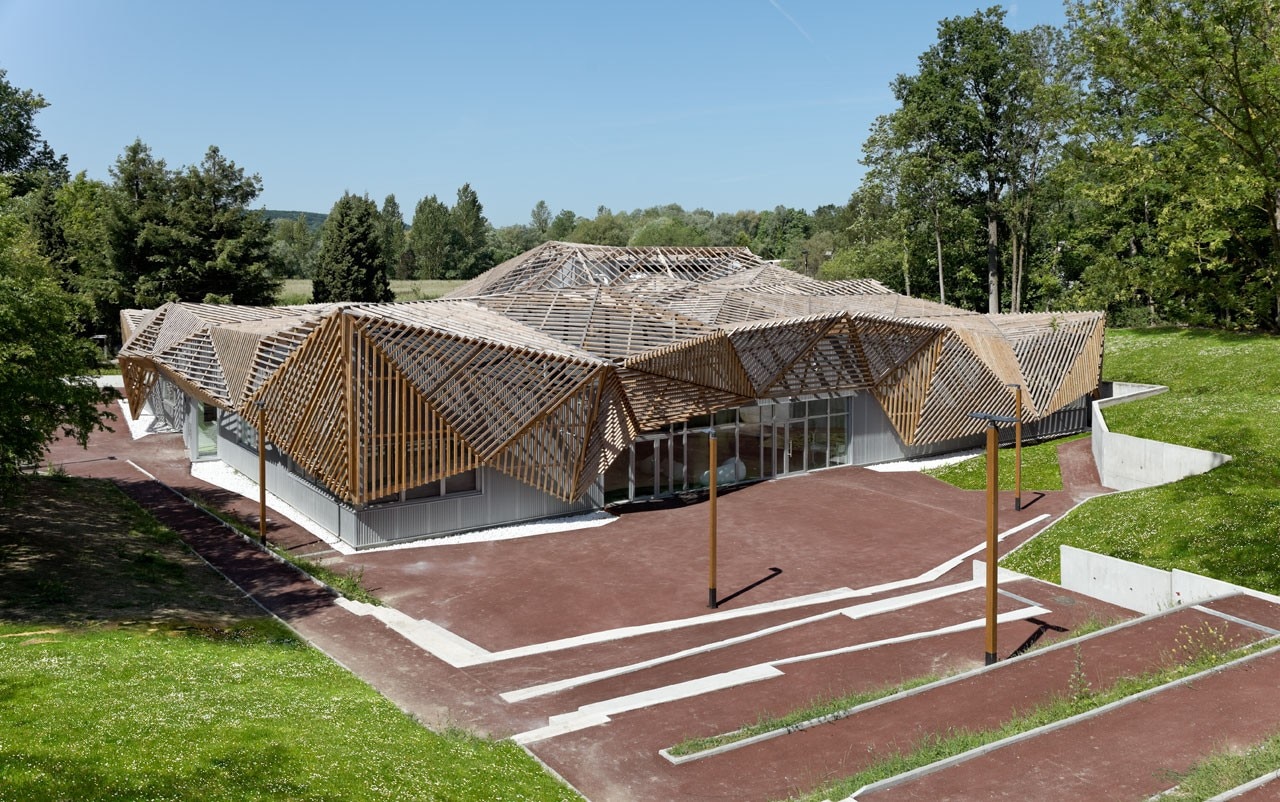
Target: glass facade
x=760 y=441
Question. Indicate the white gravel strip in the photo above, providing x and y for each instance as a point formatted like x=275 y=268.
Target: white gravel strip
x=925 y=463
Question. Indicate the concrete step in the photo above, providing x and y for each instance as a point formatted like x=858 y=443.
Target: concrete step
x=1131 y=750
x=799 y=761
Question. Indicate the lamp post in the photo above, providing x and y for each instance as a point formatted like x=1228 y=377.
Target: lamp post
x=711 y=562
x=262 y=471
x=993 y=515
x=1017 y=446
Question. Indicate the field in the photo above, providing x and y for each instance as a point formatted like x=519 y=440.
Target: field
x=298 y=290
x=1224 y=395
x=129 y=670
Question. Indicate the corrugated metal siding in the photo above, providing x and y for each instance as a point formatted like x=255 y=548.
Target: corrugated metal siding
x=872 y=437
x=296 y=491
x=501 y=500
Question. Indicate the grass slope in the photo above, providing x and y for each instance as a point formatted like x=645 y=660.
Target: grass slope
x=1224 y=395
x=129 y=670
x=1039 y=469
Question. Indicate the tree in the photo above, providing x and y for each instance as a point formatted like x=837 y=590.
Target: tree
x=540 y=219
x=43 y=358
x=189 y=235
x=352 y=265
x=562 y=226
x=1202 y=78
x=666 y=231
x=471 y=257
x=605 y=228
x=391 y=226
x=960 y=109
x=83 y=218
x=294 y=246
x=212 y=247
x=432 y=239
x=24 y=155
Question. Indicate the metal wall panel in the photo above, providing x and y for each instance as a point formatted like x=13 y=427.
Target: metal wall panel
x=872 y=437
x=501 y=500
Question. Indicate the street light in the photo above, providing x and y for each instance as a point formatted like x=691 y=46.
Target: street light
x=993 y=515
x=262 y=471
x=1017 y=447
x=711 y=561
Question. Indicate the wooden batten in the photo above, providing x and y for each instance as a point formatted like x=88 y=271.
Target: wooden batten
x=548 y=366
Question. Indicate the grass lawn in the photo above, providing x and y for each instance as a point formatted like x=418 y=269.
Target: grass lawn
x=129 y=670
x=298 y=290
x=1224 y=395
x=1039 y=468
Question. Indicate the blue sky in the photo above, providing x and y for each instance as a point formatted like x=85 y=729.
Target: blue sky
x=723 y=104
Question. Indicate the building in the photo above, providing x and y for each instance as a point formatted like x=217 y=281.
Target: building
x=574 y=375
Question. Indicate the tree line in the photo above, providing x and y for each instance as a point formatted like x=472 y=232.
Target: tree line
x=1128 y=162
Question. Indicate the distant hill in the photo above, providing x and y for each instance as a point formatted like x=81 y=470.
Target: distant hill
x=314 y=219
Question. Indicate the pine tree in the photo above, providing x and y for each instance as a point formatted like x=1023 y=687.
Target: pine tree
x=352 y=265
x=391 y=227
x=472 y=231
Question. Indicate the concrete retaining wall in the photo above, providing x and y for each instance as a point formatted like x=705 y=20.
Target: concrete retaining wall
x=1140 y=587
x=1126 y=462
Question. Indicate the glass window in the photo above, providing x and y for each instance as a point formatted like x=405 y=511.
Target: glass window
x=726 y=417
x=464 y=482
x=700 y=422
x=429 y=490
x=207 y=431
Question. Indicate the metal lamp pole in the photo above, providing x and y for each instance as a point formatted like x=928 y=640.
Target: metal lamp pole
x=262 y=472
x=1017 y=446
x=993 y=515
x=711 y=581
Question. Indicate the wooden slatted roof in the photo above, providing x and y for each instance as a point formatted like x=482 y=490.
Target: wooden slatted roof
x=549 y=365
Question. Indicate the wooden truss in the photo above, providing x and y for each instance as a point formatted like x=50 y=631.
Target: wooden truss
x=548 y=366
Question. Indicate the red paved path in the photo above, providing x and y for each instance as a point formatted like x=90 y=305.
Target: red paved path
x=839 y=528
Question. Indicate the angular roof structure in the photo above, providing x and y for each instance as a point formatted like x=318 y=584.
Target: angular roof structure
x=547 y=366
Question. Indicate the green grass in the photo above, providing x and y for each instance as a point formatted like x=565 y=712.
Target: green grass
x=1039 y=468
x=298 y=290
x=830 y=709
x=1224 y=395
x=1225 y=771
x=1199 y=651
x=140 y=674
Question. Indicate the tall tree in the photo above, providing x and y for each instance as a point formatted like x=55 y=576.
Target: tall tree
x=352 y=265
x=472 y=230
x=24 y=154
x=215 y=248
x=43 y=358
x=540 y=219
x=138 y=229
x=391 y=225
x=84 y=221
x=1203 y=77
x=432 y=239
x=962 y=104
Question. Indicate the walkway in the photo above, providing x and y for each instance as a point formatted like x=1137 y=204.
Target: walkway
x=595 y=647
